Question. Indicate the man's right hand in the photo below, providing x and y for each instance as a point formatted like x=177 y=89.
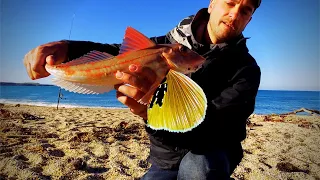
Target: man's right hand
x=51 y=53
x=140 y=80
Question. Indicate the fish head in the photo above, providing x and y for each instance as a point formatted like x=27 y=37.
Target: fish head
x=182 y=59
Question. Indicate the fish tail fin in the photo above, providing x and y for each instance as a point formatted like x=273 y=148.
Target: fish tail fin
x=178 y=104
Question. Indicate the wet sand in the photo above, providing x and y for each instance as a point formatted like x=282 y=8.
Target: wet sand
x=38 y=142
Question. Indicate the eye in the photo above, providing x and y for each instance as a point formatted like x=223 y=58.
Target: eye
x=246 y=11
x=183 y=48
x=230 y=3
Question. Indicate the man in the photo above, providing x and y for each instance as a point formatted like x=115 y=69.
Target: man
x=230 y=79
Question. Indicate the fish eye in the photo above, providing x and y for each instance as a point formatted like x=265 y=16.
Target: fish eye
x=183 y=48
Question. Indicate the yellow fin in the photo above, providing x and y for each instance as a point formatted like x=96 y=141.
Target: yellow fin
x=178 y=105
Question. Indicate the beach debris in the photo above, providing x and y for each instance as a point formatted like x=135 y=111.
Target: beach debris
x=273 y=118
x=51 y=135
x=122 y=168
x=20 y=157
x=288 y=167
x=95 y=177
x=56 y=153
x=305 y=124
x=35 y=148
x=287 y=118
x=82 y=137
x=309 y=111
x=79 y=164
x=4 y=114
x=7 y=114
x=263 y=162
x=37 y=169
x=251 y=125
x=247 y=151
x=143 y=164
x=121 y=126
x=28 y=116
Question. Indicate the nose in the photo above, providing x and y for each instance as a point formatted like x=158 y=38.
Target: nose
x=234 y=13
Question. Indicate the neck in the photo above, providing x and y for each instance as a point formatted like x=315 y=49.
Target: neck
x=203 y=36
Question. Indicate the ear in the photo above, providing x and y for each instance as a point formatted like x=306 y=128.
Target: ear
x=212 y=2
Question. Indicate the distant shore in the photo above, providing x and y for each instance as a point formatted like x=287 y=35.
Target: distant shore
x=23 y=84
x=102 y=143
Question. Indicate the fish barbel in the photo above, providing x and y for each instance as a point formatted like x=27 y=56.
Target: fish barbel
x=175 y=102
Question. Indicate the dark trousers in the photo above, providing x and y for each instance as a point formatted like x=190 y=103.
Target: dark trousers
x=217 y=164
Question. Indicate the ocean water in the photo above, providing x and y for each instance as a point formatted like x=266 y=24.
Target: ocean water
x=267 y=102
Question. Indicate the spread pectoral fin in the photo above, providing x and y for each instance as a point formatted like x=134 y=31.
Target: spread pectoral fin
x=178 y=104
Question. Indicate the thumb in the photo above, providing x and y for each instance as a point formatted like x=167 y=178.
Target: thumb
x=51 y=60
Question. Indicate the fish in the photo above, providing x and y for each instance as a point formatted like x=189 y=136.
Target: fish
x=175 y=102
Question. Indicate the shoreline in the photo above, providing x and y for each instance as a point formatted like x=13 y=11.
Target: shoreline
x=307 y=112
x=106 y=143
x=11 y=103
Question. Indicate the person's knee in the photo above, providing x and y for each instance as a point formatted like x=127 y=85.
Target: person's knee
x=213 y=166
x=192 y=167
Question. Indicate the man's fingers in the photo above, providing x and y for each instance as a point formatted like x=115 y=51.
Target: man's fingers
x=29 y=71
x=129 y=91
x=135 y=107
x=144 y=72
x=38 y=60
x=133 y=80
x=50 y=60
x=51 y=53
x=38 y=71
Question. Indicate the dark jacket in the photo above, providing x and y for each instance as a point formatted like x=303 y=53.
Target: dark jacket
x=230 y=79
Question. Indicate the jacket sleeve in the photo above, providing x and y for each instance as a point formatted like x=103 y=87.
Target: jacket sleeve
x=229 y=111
x=241 y=93
x=78 y=48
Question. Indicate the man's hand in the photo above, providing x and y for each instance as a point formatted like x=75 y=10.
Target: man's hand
x=51 y=53
x=140 y=80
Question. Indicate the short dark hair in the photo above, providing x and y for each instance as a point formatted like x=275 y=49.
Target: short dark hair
x=256 y=3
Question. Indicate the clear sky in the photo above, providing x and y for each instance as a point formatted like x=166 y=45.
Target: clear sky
x=284 y=33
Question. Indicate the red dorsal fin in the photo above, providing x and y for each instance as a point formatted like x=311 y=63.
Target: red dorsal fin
x=134 y=40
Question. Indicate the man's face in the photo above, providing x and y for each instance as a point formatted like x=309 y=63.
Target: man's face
x=228 y=18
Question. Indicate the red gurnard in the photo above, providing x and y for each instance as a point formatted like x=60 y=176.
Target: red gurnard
x=175 y=102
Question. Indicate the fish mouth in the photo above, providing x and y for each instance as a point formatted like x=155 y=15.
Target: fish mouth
x=198 y=67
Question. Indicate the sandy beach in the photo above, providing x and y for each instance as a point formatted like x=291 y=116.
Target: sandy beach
x=39 y=142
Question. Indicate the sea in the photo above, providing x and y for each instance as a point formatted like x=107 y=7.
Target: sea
x=267 y=101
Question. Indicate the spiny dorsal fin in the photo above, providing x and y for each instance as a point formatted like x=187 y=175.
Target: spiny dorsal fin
x=134 y=40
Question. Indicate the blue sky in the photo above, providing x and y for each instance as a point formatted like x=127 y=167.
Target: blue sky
x=284 y=34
